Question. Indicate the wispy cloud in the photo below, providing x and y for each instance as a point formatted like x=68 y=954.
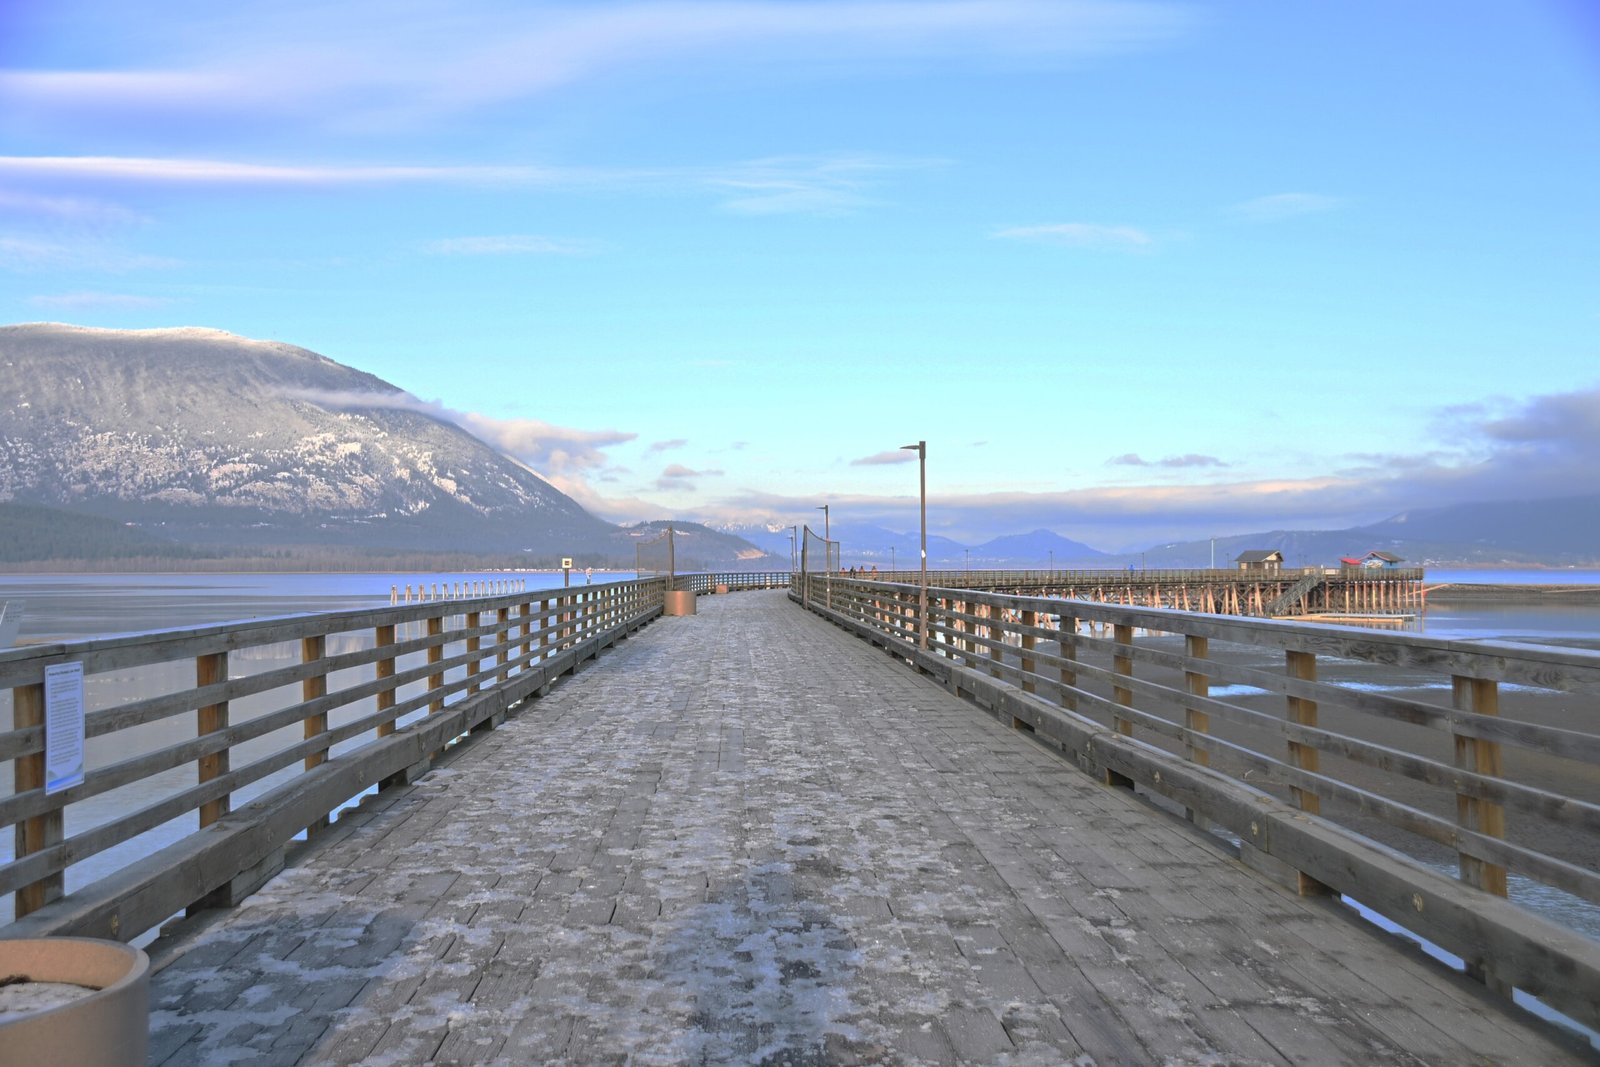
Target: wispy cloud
x=663 y=446
x=24 y=255
x=73 y=209
x=817 y=185
x=514 y=244
x=804 y=185
x=224 y=172
x=1281 y=206
x=678 y=478
x=1190 y=460
x=1080 y=235
x=92 y=301
x=444 y=58
x=883 y=458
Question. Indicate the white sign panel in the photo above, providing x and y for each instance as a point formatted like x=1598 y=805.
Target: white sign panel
x=63 y=726
x=566 y=563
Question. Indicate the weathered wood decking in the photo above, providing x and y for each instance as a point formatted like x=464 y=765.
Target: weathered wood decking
x=746 y=837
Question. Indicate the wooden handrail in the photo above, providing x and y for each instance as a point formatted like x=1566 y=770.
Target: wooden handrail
x=1392 y=741
x=351 y=677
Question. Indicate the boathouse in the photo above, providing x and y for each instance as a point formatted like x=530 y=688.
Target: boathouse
x=1269 y=561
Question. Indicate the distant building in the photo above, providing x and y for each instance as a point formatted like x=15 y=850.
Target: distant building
x=1268 y=561
x=1371 y=561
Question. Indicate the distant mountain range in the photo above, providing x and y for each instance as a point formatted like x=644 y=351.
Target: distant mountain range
x=194 y=437
x=1555 y=532
x=883 y=548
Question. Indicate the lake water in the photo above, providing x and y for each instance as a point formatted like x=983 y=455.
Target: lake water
x=56 y=607
x=1539 y=623
x=71 y=607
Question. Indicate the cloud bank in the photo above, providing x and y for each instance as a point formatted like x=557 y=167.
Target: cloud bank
x=1545 y=446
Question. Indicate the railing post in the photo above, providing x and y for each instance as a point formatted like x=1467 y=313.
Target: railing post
x=436 y=654
x=526 y=609
x=502 y=644
x=1030 y=620
x=28 y=773
x=1195 y=721
x=963 y=627
x=997 y=635
x=474 y=643
x=1303 y=667
x=383 y=637
x=547 y=624
x=1199 y=685
x=1122 y=666
x=212 y=669
x=1067 y=649
x=1481 y=696
x=313 y=650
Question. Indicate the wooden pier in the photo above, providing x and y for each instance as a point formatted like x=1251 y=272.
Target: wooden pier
x=749 y=836
x=1310 y=591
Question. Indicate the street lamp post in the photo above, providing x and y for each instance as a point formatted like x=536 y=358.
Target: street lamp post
x=827 y=564
x=921 y=449
x=793 y=550
x=891 y=560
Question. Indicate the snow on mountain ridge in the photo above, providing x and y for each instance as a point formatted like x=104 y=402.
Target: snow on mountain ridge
x=203 y=419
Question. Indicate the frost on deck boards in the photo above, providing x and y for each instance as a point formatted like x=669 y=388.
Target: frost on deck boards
x=747 y=837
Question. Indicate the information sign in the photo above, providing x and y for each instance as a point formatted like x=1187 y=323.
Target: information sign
x=63 y=726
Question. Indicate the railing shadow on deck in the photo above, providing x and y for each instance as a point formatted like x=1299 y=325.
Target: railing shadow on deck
x=1409 y=757
x=211 y=748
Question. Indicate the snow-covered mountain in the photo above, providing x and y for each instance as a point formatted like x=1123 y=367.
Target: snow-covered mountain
x=204 y=436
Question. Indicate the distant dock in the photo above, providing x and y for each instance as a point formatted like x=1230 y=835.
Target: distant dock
x=1348 y=592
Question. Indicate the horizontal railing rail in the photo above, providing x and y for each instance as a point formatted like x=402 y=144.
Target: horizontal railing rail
x=1372 y=764
x=295 y=716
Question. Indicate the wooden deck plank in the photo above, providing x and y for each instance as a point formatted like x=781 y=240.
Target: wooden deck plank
x=745 y=835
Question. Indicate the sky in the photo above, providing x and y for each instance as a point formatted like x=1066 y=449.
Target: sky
x=1135 y=271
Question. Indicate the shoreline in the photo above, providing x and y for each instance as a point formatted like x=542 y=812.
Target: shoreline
x=1472 y=592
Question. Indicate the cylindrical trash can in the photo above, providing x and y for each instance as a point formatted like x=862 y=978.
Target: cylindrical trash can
x=679 y=602
x=108 y=1027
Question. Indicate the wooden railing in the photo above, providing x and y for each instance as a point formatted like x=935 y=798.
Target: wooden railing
x=1425 y=779
x=733 y=581
x=256 y=731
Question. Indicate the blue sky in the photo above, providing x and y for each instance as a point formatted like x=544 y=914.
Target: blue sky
x=1135 y=271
